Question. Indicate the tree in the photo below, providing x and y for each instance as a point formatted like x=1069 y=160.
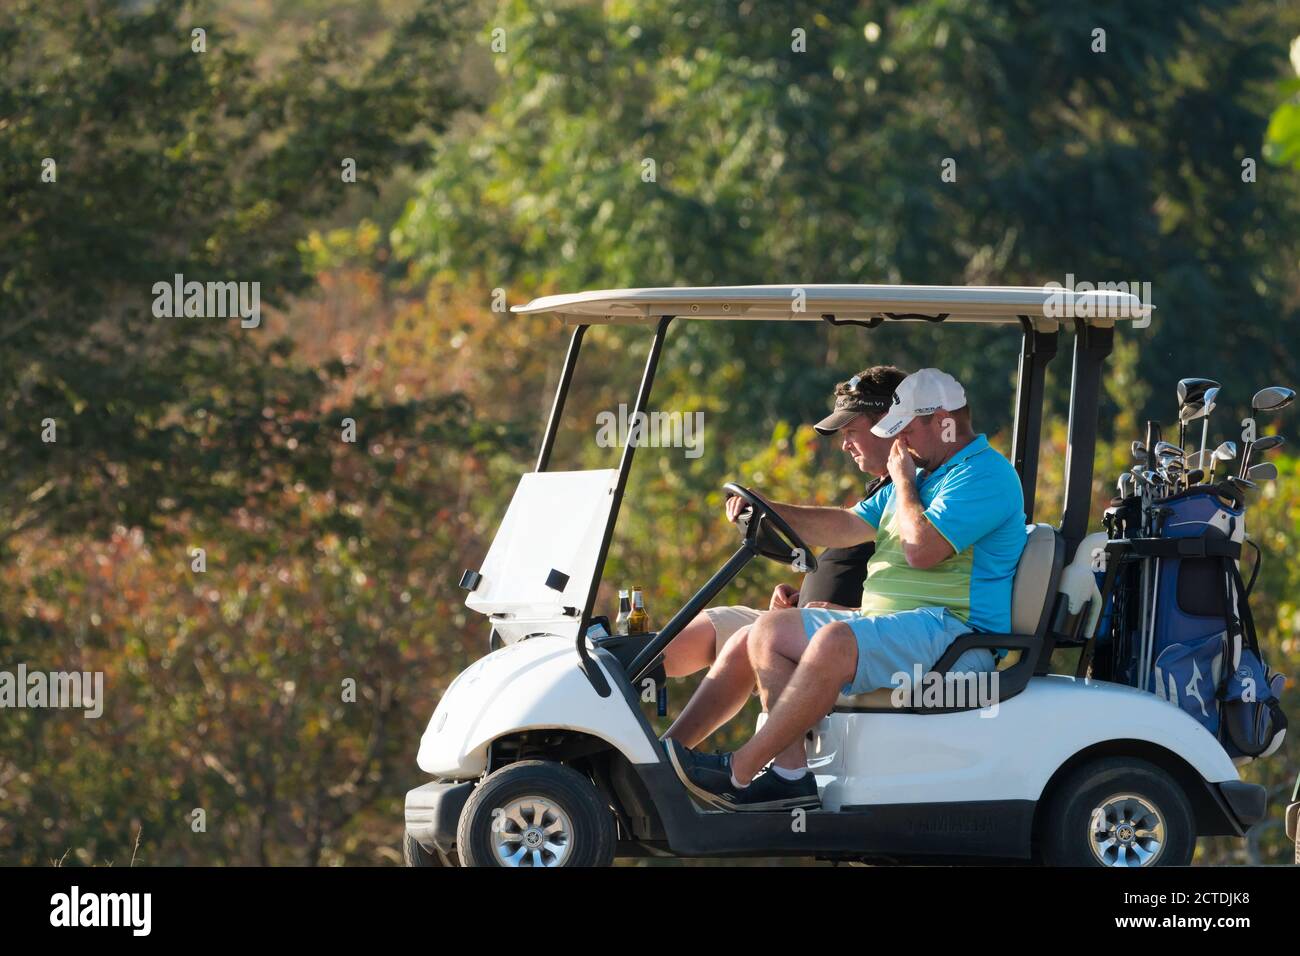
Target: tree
x=773 y=163
x=137 y=150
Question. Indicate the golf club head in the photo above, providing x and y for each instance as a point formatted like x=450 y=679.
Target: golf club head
x=1226 y=452
x=1264 y=471
x=1272 y=399
x=1267 y=443
x=1195 y=476
x=1192 y=412
x=1191 y=389
x=1168 y=448
x=1242 y=484
x=1139 y=450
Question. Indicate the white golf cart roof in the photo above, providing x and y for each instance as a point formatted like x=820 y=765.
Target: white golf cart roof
x=1045 y=306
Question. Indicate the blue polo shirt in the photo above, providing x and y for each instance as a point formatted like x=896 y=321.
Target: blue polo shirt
x=975 y=501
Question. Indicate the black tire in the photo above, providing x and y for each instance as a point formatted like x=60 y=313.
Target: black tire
x=588 y=839
x=413 y=854
x=1067 y=833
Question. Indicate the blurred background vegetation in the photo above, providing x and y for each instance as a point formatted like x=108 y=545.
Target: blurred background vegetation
x=521 y=170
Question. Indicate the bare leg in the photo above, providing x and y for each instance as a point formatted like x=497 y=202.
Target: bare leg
x=692 y=649
x=777 y=643
x=720 y=696
x=799 y=686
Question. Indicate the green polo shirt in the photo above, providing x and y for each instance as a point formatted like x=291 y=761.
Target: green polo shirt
x=975 y=501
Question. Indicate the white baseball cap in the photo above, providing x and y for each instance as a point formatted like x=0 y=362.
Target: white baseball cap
x=921 y=393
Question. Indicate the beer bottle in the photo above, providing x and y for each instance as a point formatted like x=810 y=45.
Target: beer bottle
x=638 y=621
x=624 y=612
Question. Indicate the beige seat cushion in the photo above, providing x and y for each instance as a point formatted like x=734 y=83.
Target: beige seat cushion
x=1028 y=597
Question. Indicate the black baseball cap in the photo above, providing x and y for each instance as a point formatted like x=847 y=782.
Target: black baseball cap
x=860 y=394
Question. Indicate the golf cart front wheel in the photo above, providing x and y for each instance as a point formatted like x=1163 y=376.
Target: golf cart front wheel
x=413 y=854
x=536 y=813
x=1119 y=812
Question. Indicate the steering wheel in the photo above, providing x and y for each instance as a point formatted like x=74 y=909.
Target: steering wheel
x=768 y=533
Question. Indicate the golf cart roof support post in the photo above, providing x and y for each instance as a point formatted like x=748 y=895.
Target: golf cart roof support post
x=624 y=469
x=1037 y=349
x=1091 y=346
x=561 y=393
x=649 y=655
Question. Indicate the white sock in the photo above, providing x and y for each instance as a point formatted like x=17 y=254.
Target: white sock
x=736 y=783
x=785 y=774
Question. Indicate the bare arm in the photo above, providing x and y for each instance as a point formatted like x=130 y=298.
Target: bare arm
x=826 y=527
x=818 y=526
x=923 y=545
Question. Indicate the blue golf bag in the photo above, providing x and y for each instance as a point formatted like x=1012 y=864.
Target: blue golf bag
x=1177 y=619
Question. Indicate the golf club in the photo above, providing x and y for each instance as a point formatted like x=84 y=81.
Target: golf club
x=1191 y=394
x=1267 y=443
x=1274 y=398
x=1203 y=413
x=1225 y=452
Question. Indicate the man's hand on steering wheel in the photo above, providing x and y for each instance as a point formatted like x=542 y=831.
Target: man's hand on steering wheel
x=766 y=532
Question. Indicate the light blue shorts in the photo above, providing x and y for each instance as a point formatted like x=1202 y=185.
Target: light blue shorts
x=890 y=643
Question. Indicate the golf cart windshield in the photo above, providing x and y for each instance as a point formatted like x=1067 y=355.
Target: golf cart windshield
x=541 y=562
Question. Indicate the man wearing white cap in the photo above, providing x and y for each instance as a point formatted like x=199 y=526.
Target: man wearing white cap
x=949 y=532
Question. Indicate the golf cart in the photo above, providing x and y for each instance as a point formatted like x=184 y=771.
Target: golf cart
x=541 y=754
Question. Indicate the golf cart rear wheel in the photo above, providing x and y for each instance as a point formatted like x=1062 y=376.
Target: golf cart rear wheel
x=536 y=813
x=1120 y=812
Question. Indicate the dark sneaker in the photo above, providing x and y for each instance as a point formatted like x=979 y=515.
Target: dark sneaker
x=708 y=778
x=769 y=791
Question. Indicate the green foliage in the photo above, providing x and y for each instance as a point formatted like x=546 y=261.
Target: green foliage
x=824 y=166
x=171 y=161
x=1283 y=145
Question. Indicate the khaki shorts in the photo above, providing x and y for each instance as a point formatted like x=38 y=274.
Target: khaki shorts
x=727 y=621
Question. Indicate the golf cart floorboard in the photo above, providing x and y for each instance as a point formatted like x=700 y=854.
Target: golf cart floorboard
x=985 y=830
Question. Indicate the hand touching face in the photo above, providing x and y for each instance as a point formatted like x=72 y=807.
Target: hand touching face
x=901 y=466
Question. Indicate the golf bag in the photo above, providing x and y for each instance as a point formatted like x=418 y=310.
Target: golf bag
x=1179 y=622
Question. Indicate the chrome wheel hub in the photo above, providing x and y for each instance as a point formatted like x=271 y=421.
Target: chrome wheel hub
x=531 y=831
x=1126 y=830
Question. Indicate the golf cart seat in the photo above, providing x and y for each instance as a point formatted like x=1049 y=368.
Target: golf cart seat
x=1037 y=576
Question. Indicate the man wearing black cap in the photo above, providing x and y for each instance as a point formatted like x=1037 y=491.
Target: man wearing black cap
x=717 y=638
